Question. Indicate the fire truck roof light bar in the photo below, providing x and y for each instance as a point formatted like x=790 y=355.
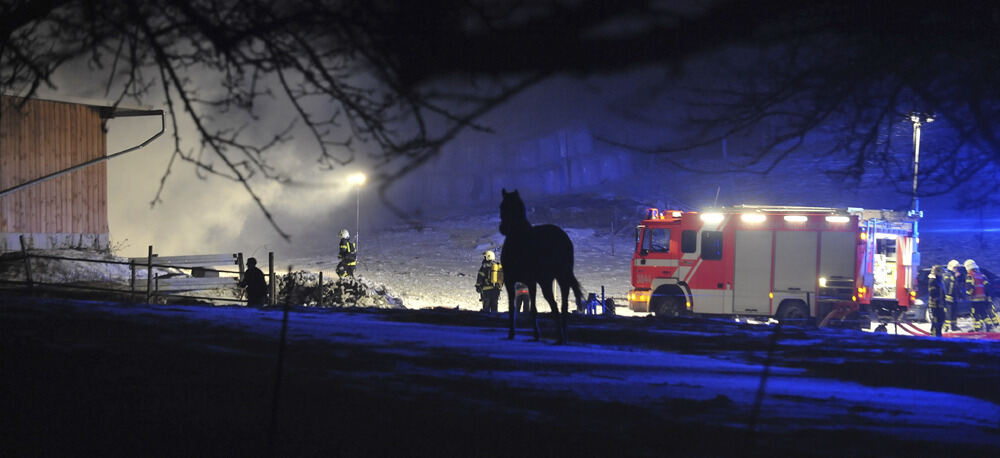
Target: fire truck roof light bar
x=712 y=218
x=792 y=209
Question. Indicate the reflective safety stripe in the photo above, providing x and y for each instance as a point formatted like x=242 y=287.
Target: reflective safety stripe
x=658 y=262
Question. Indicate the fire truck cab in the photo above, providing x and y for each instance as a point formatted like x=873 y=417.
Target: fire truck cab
x=790 y=263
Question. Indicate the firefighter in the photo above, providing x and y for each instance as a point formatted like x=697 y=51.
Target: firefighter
x=348 y=255
x=975 y=289
x=954 y=293
x=489 y=281
x=935 y=298
x=256 y=286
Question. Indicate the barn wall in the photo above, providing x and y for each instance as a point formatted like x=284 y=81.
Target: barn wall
x=40 y=138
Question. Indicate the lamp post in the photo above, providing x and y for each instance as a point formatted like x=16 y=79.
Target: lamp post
x=357 y=179
x=918 y=119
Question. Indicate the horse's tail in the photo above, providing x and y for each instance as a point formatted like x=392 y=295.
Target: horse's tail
x=575 y=285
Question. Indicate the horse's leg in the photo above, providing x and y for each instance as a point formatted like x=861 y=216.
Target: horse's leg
x=564 y=288
x=547 y=293
x=511 y=307
x=534 y=310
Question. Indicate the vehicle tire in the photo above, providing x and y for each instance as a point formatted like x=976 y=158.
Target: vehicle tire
x=794 y=312
x=881 y=329
x=668 y=306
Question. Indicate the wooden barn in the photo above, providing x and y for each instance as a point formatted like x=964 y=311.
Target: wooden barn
x=39 y=138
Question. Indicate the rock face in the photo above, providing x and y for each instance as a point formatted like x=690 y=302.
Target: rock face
x=302 y=288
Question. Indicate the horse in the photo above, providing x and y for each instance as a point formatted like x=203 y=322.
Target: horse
x=535 y=256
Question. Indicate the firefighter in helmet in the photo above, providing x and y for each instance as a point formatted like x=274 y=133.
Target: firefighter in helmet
x=975 y=289
x=935 y=298
x=489 y=281
x=954 y=293
x=348 y=255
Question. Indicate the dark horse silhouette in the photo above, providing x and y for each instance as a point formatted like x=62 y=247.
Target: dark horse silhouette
x=535 y=255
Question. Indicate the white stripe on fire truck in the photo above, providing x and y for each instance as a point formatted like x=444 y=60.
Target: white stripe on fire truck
x=688 y=275
x=657 y=262
x=693 y=270
x=682 y=272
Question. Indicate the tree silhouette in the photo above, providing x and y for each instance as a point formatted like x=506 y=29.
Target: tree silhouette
x=840 y=80
x=398 y=80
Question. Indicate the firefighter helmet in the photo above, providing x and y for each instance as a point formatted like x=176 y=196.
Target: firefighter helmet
x=489 y=256
x=953 y=264
x=970 y=264
x=344 y=234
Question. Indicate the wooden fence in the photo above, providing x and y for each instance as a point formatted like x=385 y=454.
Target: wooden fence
x=203 y=275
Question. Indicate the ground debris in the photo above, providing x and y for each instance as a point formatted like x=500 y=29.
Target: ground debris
x=302 y=288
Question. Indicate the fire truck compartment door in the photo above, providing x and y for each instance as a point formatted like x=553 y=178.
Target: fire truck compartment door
x=837 y=254
x=795 y=261
x=752 y=272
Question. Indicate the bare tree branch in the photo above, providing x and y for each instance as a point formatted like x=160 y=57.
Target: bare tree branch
x=375 y=78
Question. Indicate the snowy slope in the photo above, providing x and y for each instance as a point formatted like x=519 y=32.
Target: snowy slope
x=447 y=383
x=436 y=266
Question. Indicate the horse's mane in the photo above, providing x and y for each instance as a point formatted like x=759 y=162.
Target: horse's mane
x=513 y=216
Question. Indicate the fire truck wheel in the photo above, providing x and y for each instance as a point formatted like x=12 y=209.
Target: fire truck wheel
x=669 y=309
x=668 y=306
x=793 y=312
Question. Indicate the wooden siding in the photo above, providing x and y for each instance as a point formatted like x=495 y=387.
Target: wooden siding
x=45 y=137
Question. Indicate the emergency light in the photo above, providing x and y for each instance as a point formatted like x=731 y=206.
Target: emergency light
x=712 y=218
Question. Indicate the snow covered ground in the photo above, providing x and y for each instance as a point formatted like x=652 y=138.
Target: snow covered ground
x=437 y=266
x=100 y=377
x=86 y=378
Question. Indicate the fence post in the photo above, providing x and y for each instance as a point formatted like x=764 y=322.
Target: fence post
x=270 y=273
x=131 y=283
x=27 y=262
x=149 y=274
x=614 y=219
x=320 y=301
x=239 y=260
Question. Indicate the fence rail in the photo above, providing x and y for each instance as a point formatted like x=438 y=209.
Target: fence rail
x=194 y=283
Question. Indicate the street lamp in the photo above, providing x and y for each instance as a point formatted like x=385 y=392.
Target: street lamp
x=356 y=180
x=917 y=119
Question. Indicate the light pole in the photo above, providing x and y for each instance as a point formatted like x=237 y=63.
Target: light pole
x=357 y=179
x=918 y=119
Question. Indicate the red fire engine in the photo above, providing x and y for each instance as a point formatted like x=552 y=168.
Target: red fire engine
x=791 y=263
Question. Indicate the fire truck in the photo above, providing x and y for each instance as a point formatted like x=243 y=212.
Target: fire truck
x=782 y=262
